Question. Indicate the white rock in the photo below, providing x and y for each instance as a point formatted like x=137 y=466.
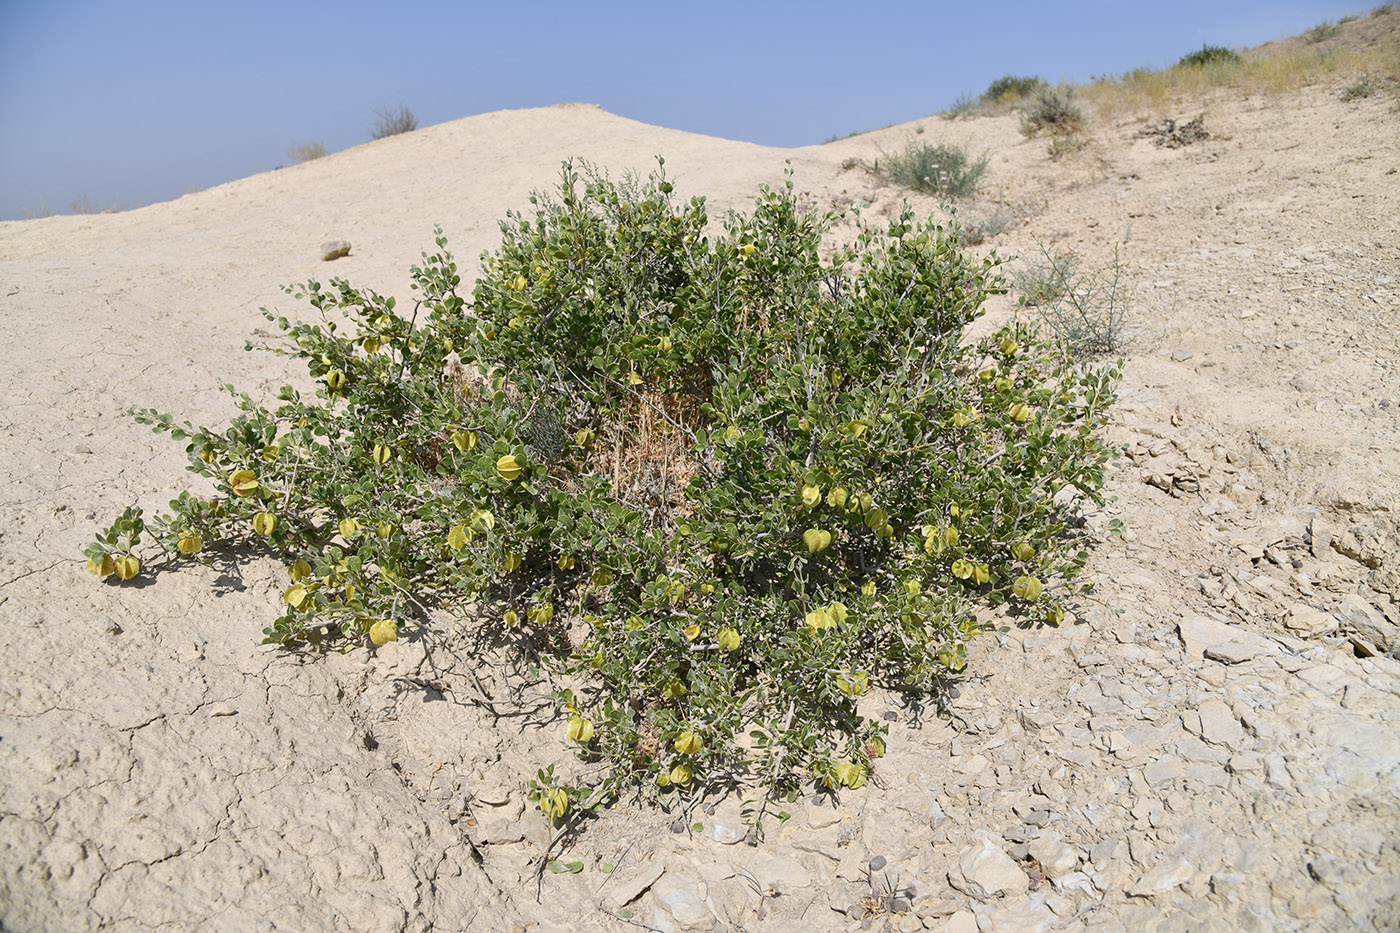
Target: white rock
x=1055 y=857
x=983 y=870
x=781 y=873
x=964 y=921
x=680 y=895
x=725 y=835
x=1219 y=725
x=626 y=892
x=1171 y=873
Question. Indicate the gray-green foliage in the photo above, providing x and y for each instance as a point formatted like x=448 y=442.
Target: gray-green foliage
x=940 y=169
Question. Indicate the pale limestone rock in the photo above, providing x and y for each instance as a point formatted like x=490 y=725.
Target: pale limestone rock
x=1169 y=874
x=983 y=870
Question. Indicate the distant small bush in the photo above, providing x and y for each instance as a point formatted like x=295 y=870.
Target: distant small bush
x=933 y=169
x=1086 y=312
x=1362 y=88
x=304 y=152
x=1322 y=32
x=963 y=104
x=393 y=121
x=976 y=229
x=1012 y=87
x=1210 y=55
x=1065 y=144
x=1054 y=110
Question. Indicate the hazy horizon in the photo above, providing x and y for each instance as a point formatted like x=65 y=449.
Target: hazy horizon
x=123 y=105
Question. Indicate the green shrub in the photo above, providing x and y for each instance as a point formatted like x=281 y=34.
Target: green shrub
x=305 y=152
x=941 y=169
x=1012 y=88
x=1322 y=32
x=1054 y=110
x=1210 y=55
x=962 y=104
x=724 y=485
x=1361 y=89
x=1086 y=311
x=391 y=121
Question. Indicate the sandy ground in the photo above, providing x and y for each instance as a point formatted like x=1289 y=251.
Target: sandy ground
x=1215 y=746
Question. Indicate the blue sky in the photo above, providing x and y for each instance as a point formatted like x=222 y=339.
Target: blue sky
x=124 y=103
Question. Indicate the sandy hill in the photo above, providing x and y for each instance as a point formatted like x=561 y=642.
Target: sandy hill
x=1217 y=745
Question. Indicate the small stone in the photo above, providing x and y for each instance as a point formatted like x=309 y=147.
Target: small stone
x=1360 y=617
x=1055 y=857
x=984 y=870
x=1165 y=877
x=1321 y=534
x=1307 y=622
x=934 y=909
x=1276 y=772
x=820 y=817
x=1231 y=652
x=1161 y=770
x=964 y=921
x=726 y=835
x=1219 y=725
x=334 y=249
x=628 y=891
x=1244 y=764
x=680 y=895
x=781 y=873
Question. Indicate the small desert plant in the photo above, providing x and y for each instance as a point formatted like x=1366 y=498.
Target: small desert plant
x=961 y=105
x=1053 y=110
x=1012 y=88
x=391 y=121
x=1322 y=32
x=304 y=152
x=941 y=169
x=1087 y=312
x=1209 y=55
x=976 y=229
x=1063 y=145
x=724 y=485
x=1361 y=89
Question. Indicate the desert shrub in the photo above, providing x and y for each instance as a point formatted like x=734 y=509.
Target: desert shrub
x=1209 y=55
x=1322 y=32
x=1087 y=312
x=391 y=121
x=940 y=168
x=1361 y=89
x=1012 y=87
x=304 y=152
x=723 y=485
x=1054 y=110
x=962 y=104
x=975 y=229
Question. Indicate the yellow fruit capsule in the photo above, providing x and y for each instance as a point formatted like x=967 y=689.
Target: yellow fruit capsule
x=913 y=587
x=837 y=497
x=335 y=381
x=950 y=536
x=511 y=617
x=540 y=615
x=728 y=639
x=554 y=803
x=457 y=537
x=206 y=453
x=962 y=569
x=732 y=432
x=1055 y=615
x=673 y=689
x=747 y=249
x=519 y=283
x=688 y=743
x=1022 y=550
x=482 y=520
x=264 y=523
x=126 y=567
x=867 y=588
x=1008 y=345
x=294 y=595
x=664 y=344
x=511 y=563
x=509 y=468
x=988 y=374
x=381 y=454
x=464 y=440
x=349 y=527
x=1002 y=384
x=299 y=571
x=383 y=631
x=565 y=562
x=1020 y=411
x=875 y=519
x=271 y=452
x=680 y=775
x=102 y=567
x=816 y=540
x=692 y=631
x=848 y=773
x=584 y=437
x=243 y=482
x=633 y=624
x=579 y=730
x=965 y=416
x=818 y=619
x=811 y=495
x=634 y=378
x=1027 y=588
x=602 y=577
x=838 y=612
x=189 y=543
x=384 y=530
x=981 y=573
x=853 y=683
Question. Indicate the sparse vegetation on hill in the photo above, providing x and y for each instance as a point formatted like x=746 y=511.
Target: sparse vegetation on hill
x=938 y=169
x=305 y=152
x=391 y=121
x=726 y=486
x=1210 y=55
